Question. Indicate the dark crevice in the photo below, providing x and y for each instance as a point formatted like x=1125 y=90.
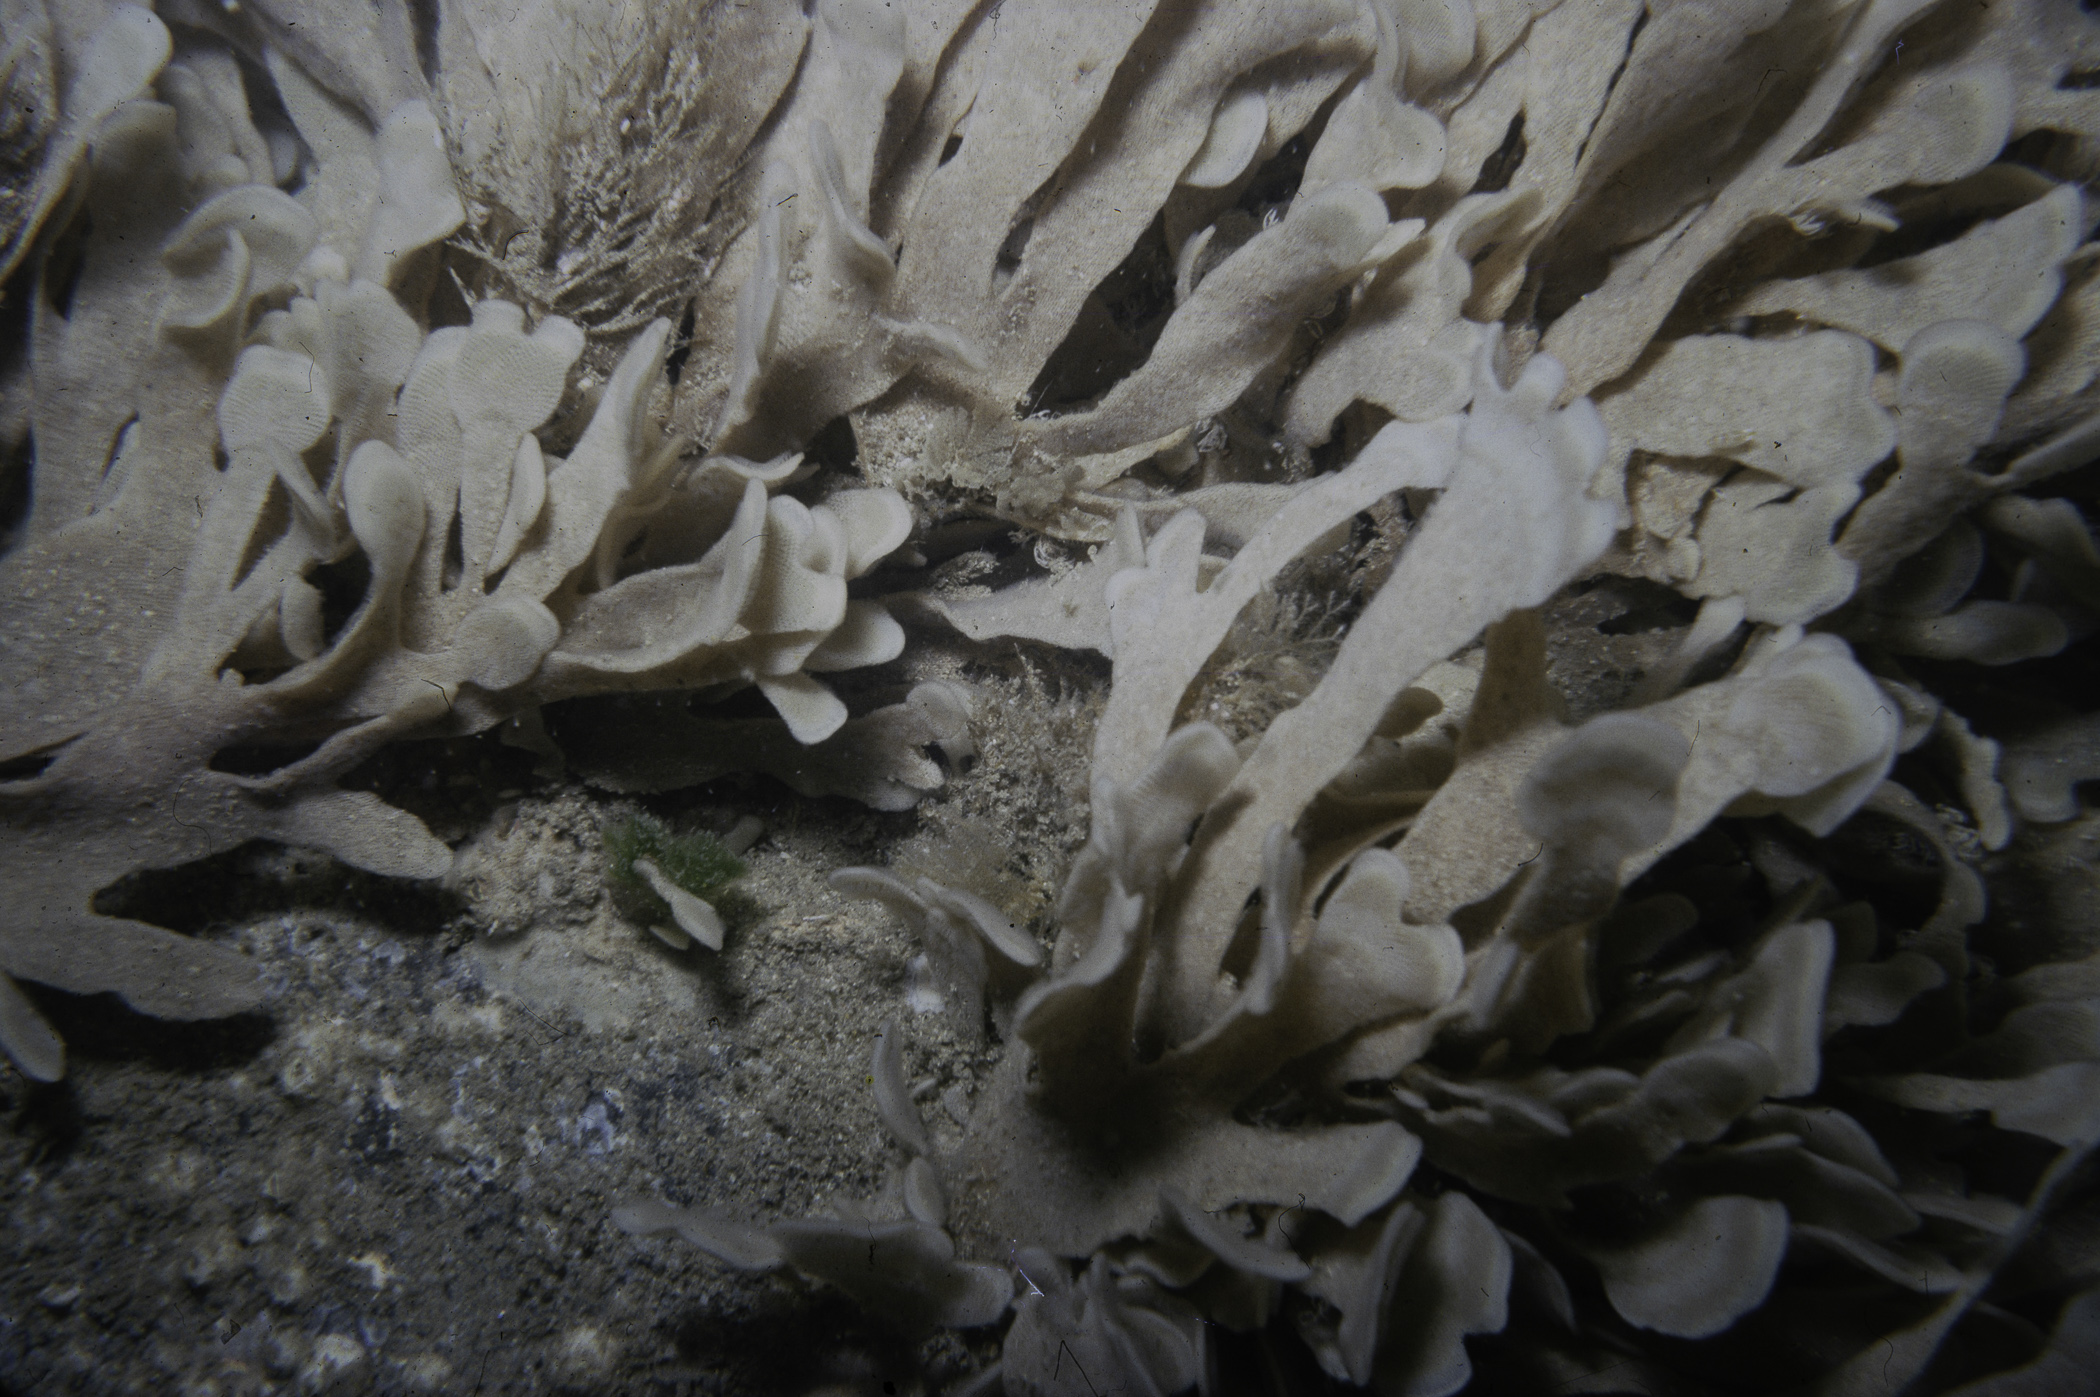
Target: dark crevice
x=765 y=1348
x=423 y=17
x=738 y=705
x=260 y=879
x=1561 y=284
x=260 y=758
x=1275 y=181
x=31 y=765
x=681 y=347
x=66 y=262
x=266 y=108
x=451 y=304
x=342 y=586
x=558 y=216
x=17 y=430
x=834 y=447
x=451 y=784
x=1702 y=307
x=1498 y=169
x=1922 y=234
x=454 y=566
x=1870 y=485
x=1139 y=293
x=1115 y=331
x=50 y=1120
x=1649 y=606
x=270 y=523
x=117 y=442
x=2058 y=154
x=1014 y=245
x=1633 y=38
x=320 y=458
x=17 y=472
x=949 y=149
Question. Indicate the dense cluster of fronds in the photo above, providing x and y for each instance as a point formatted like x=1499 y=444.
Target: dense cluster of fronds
x=1393 y=1025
